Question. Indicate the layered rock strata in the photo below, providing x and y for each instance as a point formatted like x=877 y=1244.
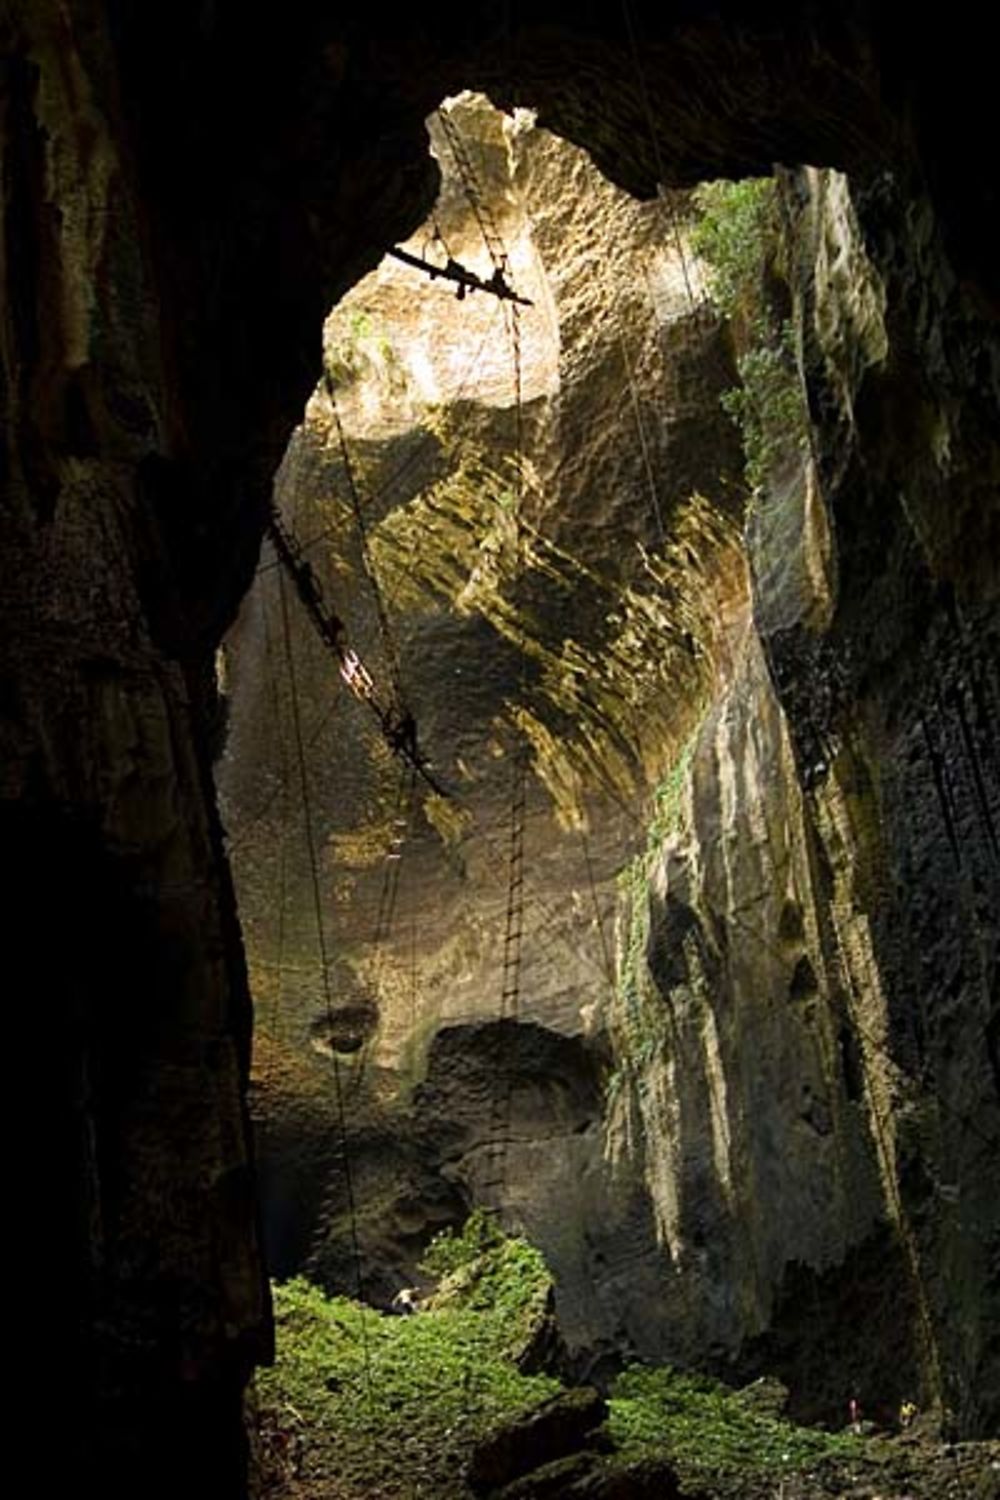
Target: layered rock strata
x=186 y=193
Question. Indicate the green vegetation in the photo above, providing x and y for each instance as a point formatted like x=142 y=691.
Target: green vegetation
x=393 y=1405
x=484 y=1271
x=360 y=1404
x=702 y=1425
x=640 y=1027
x=359 y=345
x=735 y=236
x=480 y=1235
x=738 y=236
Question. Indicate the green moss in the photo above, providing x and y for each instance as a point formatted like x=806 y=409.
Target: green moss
x=504 y=1279
x=700 y=1424
x=357 y=346
x=640 y=1022
x=452 y=1251
x=394 y=1404
x=738 y=237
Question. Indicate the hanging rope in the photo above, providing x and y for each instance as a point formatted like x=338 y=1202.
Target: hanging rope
x=367 y=563
x=396 y=723
x=420 y=451
x=480 y=208
x=647 y=460
x=510 y=990
x=514 y=924
x=510 y=993
x=284 y=781
x=654 y=137
x=388 y=895
x=609 y=965
x=394 y=858
x=325 y=975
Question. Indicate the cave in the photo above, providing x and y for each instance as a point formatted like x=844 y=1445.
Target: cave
x=804 y=1104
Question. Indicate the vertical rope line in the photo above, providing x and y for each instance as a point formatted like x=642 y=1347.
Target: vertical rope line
x=609 y=967
x=284 y=781
x=367 y=561
x=321 y=941
x=510 y=997
x=643 y=440
x=654 y=138
x=413 y=971
x=402 y=823
x=467 y=176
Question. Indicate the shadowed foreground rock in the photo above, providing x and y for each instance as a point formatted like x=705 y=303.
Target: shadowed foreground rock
x=552 y=1431
x=186 y=191
x=583 y=1477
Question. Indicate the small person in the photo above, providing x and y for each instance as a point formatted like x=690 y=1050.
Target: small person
x=854 y=1411
x=907 y=1412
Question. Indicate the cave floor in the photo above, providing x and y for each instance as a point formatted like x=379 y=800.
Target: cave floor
x=885 y=1469
x=361 y=1405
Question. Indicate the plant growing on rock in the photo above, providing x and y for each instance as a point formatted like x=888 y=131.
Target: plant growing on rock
x=639 y=1022
x=356 y=346
x=393 y=1405
x=738 y=237
x=708 y=1429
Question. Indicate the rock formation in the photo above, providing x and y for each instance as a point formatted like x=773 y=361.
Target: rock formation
x=186 y=194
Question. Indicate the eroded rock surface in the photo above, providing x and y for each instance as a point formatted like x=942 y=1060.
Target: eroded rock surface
x=186 y=192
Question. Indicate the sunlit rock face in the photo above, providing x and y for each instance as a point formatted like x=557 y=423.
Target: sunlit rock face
x=752 y=1130
x=186 y=194
x=806 y=1036
x=583 y=602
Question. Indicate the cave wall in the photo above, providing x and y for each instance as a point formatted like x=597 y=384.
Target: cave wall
x=163 y=170
x=819 y=1115
x=131 y=1010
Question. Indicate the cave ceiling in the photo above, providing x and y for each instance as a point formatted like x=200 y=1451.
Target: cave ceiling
x=279 y=162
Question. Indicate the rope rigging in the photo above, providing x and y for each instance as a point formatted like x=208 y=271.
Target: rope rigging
x=397 y=725
x=510 y=989
x=402 y=827
x=481 y=210
x=325 y=971
x=466 y=280
x=389 y=647
x=419 y=452
x=268 y=1073
x=395 y=721
x=654 y=137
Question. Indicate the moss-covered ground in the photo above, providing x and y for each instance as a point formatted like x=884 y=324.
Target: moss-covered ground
x=706 y=1429
x=361 y=1405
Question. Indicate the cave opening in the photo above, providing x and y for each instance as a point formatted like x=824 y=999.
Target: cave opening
x=532 y=532
x=554 y=628
x=766 y=1144
x=559 y=539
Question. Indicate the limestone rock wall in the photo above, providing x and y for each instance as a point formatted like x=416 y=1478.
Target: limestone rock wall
x=186 y=192
x=130 y=1015
x=817 y=1103
x=616 y=576
x=768 y=1125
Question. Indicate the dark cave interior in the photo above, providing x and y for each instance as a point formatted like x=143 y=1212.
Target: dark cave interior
x=166 y=169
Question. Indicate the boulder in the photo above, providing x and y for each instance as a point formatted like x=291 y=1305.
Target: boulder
x=559 y=1427
x=583 y=1476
